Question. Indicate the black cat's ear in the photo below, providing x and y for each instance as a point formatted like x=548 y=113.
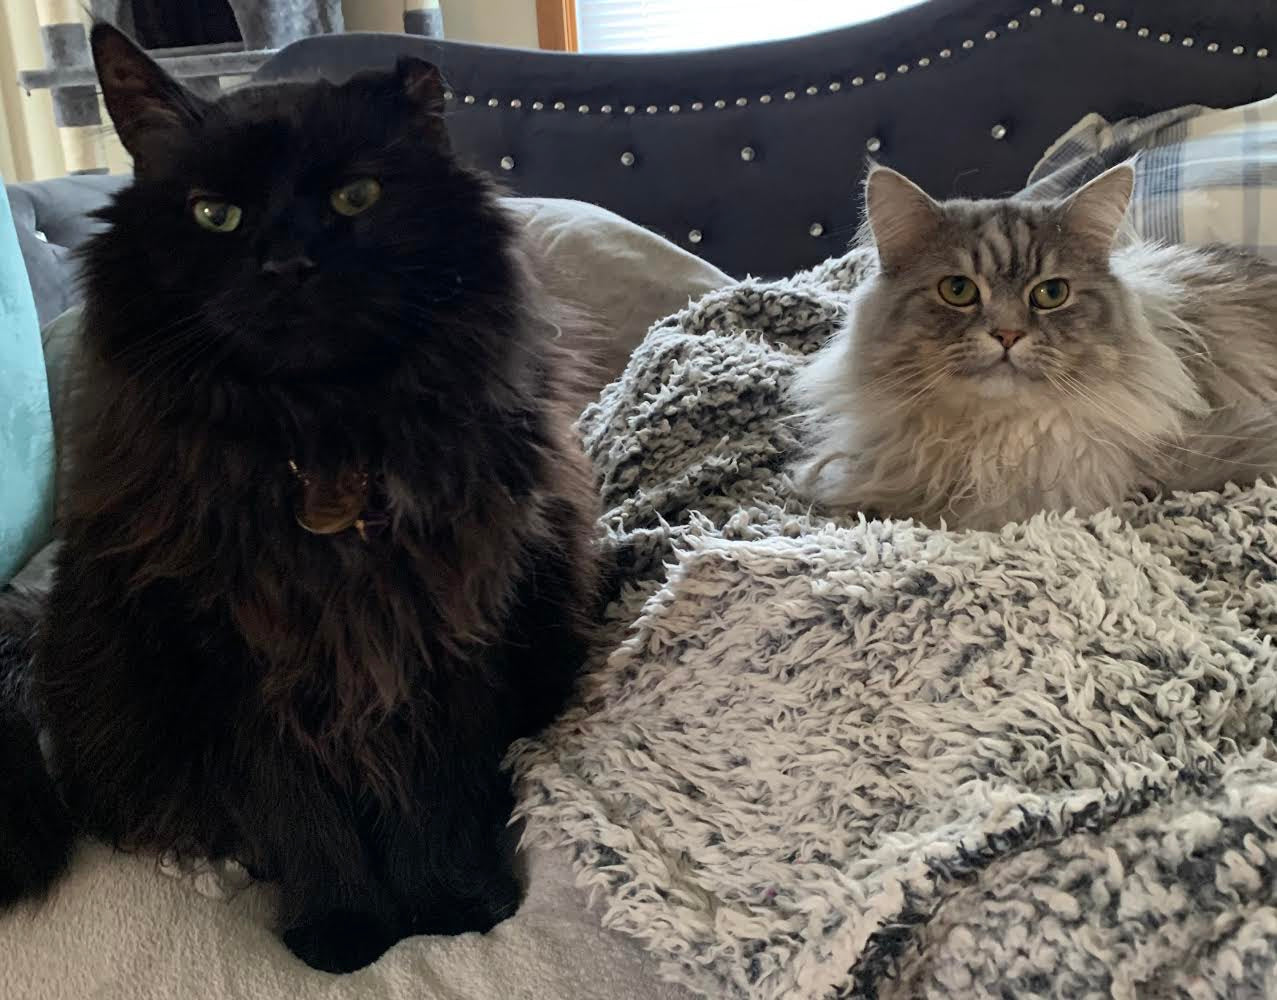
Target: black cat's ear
x=1095 y=212
x=422 y=83
x=145 y=103
x=901 y=215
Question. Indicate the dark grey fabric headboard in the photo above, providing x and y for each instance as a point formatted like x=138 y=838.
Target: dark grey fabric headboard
x=752 y=156
x=963 y=95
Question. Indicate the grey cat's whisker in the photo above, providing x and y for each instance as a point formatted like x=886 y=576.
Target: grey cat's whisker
x=1110 y=410
x=918 y=385
x=926 y=388
x=1214 y=458
x=1092 y=433
x=1157 y=444
x=890 y=382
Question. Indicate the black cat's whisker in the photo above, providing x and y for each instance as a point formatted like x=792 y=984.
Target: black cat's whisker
x=176 y=341
x=160 y=338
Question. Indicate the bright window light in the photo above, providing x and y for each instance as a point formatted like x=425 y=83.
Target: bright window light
x=655 y=25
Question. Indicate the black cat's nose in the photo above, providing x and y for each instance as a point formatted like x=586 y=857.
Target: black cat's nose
x=296 y=266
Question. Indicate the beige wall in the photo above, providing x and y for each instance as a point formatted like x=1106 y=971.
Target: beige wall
x=29 y=146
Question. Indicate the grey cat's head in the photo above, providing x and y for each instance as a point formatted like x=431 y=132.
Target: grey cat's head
x=1003 y=299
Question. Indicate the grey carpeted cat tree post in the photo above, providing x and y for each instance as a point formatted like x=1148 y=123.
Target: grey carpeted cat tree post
x=272 y=24
x=265 y=26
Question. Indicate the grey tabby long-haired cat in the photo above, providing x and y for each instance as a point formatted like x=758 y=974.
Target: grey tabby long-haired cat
x=1006 y=358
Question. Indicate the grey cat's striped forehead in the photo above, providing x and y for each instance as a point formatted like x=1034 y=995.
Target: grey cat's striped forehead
x=1002 y=239
x=1009 y=236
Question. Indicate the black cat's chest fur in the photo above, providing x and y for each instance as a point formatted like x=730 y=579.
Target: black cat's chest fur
x=320 y=637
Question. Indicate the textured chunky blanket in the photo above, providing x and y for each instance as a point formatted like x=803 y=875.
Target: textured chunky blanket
x=847 y=758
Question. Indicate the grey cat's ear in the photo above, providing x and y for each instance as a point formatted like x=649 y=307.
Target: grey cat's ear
x=1095 y=212
x=901 y=215
x=145 y=103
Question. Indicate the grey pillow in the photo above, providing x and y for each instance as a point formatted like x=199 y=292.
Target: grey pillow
x=622 y=276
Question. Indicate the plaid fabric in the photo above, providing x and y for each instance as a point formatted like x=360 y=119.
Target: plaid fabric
x=1202 y=176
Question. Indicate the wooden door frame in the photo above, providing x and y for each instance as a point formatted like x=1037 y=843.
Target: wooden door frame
x=556 y=25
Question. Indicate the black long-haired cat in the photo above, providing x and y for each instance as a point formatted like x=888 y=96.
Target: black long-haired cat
x=329 y=541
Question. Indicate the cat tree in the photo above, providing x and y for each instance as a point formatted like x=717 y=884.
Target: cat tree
x=265 y=26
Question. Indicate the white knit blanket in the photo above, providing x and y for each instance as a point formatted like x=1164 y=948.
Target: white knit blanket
x=839 y=758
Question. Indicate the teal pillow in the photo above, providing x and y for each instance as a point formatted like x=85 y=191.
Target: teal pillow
x=26 y=425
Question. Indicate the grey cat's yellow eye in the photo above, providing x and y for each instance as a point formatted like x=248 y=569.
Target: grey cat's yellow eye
x=1050 y=294
x=355 y=197
x=216 y=216
x=958 y=290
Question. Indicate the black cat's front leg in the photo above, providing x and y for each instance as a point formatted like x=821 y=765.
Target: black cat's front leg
x=451 y=861
x=335 y=912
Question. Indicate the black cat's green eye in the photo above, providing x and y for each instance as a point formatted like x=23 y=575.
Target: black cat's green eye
x=958 y=290
x=355 y=197
x=1050 y=294
x=216 y=216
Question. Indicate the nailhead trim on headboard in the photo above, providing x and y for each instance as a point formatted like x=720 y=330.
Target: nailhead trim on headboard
x=880 y=76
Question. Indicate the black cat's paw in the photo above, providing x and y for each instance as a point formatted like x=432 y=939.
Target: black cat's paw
x=35 y=831
x=339 y=941
x=496 y=900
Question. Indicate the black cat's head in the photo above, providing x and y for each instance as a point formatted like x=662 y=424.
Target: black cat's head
x=293 y=230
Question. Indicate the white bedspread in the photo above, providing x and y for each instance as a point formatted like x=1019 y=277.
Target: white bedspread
x=118 y=929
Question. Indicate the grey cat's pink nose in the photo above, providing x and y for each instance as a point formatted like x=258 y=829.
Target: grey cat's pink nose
x=1007 y=337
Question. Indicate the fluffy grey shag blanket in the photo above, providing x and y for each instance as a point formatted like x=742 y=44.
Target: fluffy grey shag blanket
x=846 y=758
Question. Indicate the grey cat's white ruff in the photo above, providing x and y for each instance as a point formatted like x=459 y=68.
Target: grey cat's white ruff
x=1160 y=372
x=872 y=759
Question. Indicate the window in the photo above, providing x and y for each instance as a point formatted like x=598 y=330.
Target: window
x=651 y=25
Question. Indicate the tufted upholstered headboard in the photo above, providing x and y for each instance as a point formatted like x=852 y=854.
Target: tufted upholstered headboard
x=751 y=156
x=759 y=149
